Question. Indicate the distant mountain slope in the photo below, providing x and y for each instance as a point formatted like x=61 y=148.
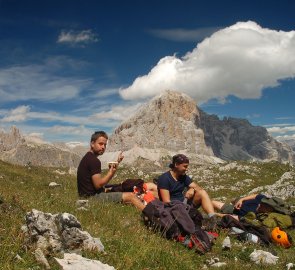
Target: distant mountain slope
x=17 y=149
x=236 y=139
x=290 y=142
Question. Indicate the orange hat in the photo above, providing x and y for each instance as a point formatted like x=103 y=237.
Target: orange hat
x=281 y=237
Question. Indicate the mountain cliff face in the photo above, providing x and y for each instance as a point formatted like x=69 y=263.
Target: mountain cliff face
x=167 y=121
x=173 y=122
x=16 y=149
x=237 y=139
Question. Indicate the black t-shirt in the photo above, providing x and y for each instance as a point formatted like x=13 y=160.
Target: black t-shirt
x=89 y=165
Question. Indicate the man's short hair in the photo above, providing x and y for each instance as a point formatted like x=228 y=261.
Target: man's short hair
x=98 y=134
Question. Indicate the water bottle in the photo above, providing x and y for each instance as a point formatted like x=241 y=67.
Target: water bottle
x=249 y=237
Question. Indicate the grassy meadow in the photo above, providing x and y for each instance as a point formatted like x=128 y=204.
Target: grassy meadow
x=128 y=243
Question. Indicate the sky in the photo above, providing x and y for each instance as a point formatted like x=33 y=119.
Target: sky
x=69 y=68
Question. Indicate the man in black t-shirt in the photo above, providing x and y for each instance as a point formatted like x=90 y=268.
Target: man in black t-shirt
x=90 y=181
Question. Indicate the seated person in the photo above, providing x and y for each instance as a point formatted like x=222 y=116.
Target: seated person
x=90 y=180
x=173 y=183
x=241 y=206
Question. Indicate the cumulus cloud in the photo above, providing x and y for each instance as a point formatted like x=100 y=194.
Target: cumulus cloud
x=282 y=132
x=77 y=37
x=183 y=35
x=239 y=60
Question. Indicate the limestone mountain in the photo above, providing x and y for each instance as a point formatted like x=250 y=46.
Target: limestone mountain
x=290 y=142
x=18 y=149
x=236 y=139
x=171 y=123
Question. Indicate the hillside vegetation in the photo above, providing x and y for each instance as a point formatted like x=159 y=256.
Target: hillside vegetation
x=128 y=243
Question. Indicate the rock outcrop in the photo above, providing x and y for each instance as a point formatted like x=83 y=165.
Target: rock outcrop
x=56 y=234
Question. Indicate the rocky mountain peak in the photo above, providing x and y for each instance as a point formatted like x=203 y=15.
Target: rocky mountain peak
x=168 y=121
x=171 y=123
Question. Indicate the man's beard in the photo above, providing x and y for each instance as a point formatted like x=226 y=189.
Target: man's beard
x=98 y=153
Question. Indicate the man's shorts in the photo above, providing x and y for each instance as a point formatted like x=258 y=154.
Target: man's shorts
x=227 y=208
x=109 y=197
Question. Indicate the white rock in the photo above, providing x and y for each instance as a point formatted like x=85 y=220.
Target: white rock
x=72 y=261
x=40 y=258
x=82 y=203
x=53 y=184
x=263 y=257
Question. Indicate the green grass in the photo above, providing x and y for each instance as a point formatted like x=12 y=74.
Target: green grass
x=128 y=243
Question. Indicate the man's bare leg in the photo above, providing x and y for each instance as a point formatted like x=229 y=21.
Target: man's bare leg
x=129 y=197
x=201 y=197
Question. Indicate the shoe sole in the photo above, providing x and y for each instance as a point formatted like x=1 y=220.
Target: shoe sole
x=200 y=245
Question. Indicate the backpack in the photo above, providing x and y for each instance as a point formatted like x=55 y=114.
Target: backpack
x=279 y=205
x=179 y=222
x=125 y=186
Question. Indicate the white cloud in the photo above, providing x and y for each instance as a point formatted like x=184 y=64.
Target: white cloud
x=107 y=92
x=281 y=130
x=239 y=60
x=18 y=114
x=73 y=130
x=104 y=119
x=38 y=82
x=118 y=113
x=179 y=34
x=77 y=37
x=285 y=137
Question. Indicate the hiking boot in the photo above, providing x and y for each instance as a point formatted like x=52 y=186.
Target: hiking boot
x=210 y=223
x=200 y=245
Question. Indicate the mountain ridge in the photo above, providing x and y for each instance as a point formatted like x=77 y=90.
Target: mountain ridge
x=173 y=121
x=168 y=124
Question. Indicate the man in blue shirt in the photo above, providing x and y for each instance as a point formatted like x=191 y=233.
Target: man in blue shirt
x=173 y=183
x=240 y=207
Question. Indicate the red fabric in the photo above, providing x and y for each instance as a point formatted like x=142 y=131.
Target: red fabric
x=148 y=197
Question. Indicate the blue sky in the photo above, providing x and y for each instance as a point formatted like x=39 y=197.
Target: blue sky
x=69 y=68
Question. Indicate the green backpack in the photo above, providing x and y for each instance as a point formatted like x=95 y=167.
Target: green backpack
x=279 y=205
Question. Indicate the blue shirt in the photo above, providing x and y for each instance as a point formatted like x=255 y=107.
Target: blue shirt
x=175 y=188
x=249 y=206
